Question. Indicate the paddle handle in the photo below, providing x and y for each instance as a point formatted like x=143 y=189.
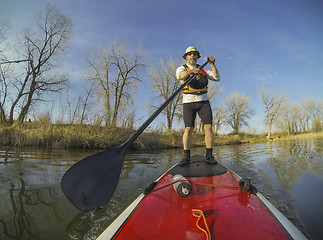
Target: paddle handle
x=159 y=110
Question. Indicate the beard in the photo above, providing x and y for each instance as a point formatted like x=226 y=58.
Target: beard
x=192 y=61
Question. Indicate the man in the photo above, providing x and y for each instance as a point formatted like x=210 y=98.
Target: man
x=195 y=100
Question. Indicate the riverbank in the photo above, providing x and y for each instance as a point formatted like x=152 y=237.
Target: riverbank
x=62 y=136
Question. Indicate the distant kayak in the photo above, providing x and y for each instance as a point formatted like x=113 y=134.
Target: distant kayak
x=201 y=201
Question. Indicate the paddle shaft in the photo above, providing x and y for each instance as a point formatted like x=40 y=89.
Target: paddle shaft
x=90 y=183
x=159 y=110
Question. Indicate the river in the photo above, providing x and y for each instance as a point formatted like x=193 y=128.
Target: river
x=32 y=205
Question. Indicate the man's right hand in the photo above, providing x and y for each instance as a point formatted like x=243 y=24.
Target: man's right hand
x=196 y=71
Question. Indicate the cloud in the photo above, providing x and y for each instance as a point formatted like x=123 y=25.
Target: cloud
x=266 y=78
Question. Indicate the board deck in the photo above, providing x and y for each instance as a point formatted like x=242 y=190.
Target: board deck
x=216 y=208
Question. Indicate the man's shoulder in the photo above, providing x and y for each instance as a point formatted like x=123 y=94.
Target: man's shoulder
x=181 y=67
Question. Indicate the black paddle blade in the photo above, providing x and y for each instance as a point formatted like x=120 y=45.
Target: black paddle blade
x=90 y=183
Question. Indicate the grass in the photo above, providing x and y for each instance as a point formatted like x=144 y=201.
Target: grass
x=62 y=136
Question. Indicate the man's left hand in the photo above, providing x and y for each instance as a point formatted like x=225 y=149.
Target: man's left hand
x=211 y=59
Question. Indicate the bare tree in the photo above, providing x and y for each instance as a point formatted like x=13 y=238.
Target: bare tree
x=86 y=102
x=288 y=118
x=79 y=105
x=116 y=74
x=165 y=86
x=40 y=49
x=272 y=100
x=219 y=118
x=73 y=107
x=2 y=38
x=213 y=91
x=300 y=117
x=309 y=107
x=4 y=70
x=3 y=91
x=314 y=110
x=238 y=111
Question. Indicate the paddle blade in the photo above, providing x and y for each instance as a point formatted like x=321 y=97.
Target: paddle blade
x=90 y=183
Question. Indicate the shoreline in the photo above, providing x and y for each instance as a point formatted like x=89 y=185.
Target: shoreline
x=100 y=138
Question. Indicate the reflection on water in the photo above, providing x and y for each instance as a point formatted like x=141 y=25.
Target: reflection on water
x=32 y=205
x=288 y=173
x=32 y=213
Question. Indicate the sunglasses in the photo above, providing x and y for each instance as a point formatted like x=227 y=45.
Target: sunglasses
x=192 y=53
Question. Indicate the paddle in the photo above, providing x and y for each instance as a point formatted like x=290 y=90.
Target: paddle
x=90 y=183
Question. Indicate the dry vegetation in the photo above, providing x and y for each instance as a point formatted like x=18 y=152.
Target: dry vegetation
x=63 y=136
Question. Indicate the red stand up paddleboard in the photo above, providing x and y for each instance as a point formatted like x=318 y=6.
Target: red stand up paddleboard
x=201 y=201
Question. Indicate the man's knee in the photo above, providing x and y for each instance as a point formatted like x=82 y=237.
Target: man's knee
x=208 y=127
x=189 y=130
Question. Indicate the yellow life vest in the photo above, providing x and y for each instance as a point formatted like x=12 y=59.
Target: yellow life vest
x=198 y=85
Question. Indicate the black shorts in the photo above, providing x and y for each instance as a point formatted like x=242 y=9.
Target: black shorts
x=202 y=108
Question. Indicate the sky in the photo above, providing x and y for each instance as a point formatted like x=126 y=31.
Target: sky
x=275 y=43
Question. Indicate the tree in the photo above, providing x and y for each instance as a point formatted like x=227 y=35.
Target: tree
x=2 y=38
x=4 y=71
x=219 y=118
x=34 y=68
x=309 y=106
x=165 y=86
x=237 y=107
x=85 y=101
x=314 y=109
x=272 y=100
x=79 y=105
x=301 y=117
x=288 y=118
x=116 y=74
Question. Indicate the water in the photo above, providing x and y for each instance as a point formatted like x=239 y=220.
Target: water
x=32 y=206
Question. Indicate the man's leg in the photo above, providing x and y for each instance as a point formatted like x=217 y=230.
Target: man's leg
x=209 y=144
x=208 y=136
x=188 y=138
x=189 y=117
x=187 y=142
x=205 y=114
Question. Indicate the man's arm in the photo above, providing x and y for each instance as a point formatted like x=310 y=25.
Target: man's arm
x=216 y=75
x=185 y=74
